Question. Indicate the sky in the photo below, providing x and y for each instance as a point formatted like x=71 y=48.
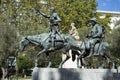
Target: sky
x=109 y=5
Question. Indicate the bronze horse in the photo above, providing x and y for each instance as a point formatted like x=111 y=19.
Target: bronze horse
x=43 y=41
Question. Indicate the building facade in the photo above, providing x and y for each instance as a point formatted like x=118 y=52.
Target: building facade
x=114 y=19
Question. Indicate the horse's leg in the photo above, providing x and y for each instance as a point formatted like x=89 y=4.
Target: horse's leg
x=67 y=57
x=110 y=59
x=38 y=55
x=49 y=60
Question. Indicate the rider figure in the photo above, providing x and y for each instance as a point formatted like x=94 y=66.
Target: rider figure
x=54 y=19
x=95 y=34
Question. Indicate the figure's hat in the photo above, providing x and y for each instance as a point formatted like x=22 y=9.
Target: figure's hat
x=52 y=8
x=93 y=19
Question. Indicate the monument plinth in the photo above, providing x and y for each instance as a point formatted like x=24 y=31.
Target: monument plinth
x=74 y=74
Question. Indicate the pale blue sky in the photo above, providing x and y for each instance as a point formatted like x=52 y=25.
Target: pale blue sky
x=109 y=5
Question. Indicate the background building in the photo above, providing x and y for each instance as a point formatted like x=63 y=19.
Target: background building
x=114 y=19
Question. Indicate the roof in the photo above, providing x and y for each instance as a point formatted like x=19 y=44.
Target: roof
x=108 y=12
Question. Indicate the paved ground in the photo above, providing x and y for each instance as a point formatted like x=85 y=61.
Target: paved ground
x=24 y=79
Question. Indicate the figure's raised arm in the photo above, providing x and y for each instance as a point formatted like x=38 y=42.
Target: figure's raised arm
x=43 y=14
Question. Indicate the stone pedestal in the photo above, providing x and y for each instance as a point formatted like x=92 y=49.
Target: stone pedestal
x=74 y=74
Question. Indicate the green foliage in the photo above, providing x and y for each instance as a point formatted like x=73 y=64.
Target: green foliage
x=74 y=11
x=56 y=58
x=24 y=62
x=113 y=37
x=104 y=21
x=83 y=32
x=8 y=41
x=115 y=45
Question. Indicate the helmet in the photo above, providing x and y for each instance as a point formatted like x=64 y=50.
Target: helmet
x=94 y=20
x=52 y=9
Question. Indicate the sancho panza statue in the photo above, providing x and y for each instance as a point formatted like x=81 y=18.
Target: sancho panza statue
x=96 y=34
x=54 y=19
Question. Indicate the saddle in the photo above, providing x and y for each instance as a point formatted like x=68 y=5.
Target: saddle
x=95 y=50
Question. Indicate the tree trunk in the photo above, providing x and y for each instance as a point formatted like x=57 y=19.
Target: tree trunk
x=4 y=71
x=16 y=68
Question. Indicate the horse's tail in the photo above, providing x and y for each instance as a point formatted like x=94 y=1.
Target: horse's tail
x=73 y=57
x=74 y=53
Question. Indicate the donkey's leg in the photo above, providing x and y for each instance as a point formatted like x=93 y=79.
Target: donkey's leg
x=67 y=57
x=84 y=54
x=38 y=55
x=81 y=61
x=80 y=57
x=111 y=60
x=102 y=64
x=49 y=60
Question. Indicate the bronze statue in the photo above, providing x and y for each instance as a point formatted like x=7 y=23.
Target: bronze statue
x=95 y=35
x=92 y=45
x=54 y=19
x=42 y=41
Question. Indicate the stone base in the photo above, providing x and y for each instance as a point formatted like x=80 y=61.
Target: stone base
x=74 y=74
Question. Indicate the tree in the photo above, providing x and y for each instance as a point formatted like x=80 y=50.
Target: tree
x=114 y=39
x=24 y=63
x=7 y=45
x=76 y=11
x=8 y=35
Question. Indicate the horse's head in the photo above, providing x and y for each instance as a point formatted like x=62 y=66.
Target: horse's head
x=23 y=43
